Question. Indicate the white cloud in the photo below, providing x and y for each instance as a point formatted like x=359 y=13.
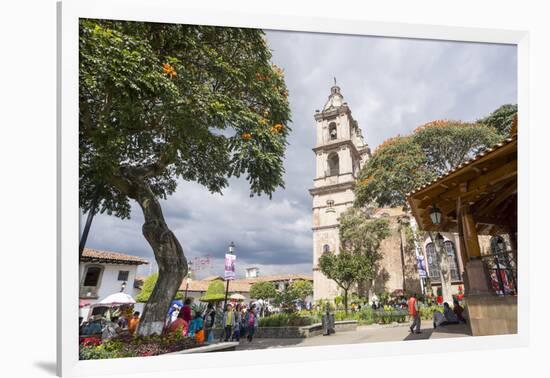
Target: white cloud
x=391 y=85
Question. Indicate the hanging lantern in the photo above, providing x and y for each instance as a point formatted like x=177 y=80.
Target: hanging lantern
x=435 y=215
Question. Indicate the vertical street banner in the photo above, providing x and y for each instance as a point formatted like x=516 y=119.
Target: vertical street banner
x=421 y=266
x=230 y=266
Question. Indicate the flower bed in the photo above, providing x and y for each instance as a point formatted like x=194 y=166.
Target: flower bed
x=93 y=348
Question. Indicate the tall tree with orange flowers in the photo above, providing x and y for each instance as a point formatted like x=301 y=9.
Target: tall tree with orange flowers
x=404 y=163
x=159 y=102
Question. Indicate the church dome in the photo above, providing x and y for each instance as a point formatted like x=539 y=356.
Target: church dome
x=335 y=100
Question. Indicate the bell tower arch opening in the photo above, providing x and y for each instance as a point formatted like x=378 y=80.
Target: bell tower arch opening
x=333 y=164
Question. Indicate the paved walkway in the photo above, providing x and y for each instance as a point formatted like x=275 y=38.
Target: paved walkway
x=363 y=334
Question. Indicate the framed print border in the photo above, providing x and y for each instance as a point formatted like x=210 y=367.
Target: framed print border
x=172 y=11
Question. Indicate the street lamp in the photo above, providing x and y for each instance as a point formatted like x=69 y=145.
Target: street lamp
x=435 y=215
x=231 y=250
x=186 y=287
x=123 y=286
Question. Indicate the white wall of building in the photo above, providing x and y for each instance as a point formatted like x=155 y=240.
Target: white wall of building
x=109 y=283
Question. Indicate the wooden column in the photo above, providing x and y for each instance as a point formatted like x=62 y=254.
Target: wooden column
x=475 y=273
x=469 y=232
x=461 y=244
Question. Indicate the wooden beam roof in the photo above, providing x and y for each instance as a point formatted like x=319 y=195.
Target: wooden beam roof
x=487 y=182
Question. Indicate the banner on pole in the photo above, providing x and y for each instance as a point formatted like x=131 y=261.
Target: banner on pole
x=421 y=266
x=230 y=266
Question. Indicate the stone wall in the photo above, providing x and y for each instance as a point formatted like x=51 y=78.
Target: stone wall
x=296 y=332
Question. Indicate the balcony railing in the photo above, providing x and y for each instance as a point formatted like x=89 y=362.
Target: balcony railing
x=502 y=273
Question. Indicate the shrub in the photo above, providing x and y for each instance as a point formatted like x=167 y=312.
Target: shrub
x=286 y=320
x=427 y=312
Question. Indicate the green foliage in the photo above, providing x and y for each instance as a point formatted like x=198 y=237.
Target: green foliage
x=501 y=119
x=215 y=292
x=160 y=102
x=301 y=288
x=365 y=316
x=263 y=290
x=286 y=320
x=384 y=297
x=404 y=163
x=427 y=312
x=396 y=168
x=447 y=144
x=359 y=254
x=297 y=290
x=148 y=286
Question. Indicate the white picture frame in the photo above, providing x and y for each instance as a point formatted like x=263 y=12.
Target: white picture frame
x=68 y=217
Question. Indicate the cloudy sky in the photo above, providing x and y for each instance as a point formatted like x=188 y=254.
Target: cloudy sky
x=391 y=85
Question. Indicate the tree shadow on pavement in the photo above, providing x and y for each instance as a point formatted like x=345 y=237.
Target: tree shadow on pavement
x=441 y=332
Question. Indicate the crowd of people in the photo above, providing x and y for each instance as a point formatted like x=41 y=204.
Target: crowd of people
x=109 y=324
x=236 y=322
x=239 y=321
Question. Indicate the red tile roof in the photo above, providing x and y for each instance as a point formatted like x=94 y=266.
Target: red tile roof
x=94 y=255
x=241 y=285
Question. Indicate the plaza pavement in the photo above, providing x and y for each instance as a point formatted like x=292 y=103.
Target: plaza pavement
x=363 y=334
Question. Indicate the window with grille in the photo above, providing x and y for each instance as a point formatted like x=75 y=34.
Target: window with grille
x=453 y=260
x=433 y=265
x=123 y=275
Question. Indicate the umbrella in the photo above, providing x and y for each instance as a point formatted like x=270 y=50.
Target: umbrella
x=83 y=303
x=118 y=298
x=237 y=297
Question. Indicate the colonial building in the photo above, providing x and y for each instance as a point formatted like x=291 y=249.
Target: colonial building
x=103 y=273
x=477 y=201
x=197 y=288
x=340 y=152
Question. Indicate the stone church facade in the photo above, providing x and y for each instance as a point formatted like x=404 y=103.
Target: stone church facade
x=340 y=153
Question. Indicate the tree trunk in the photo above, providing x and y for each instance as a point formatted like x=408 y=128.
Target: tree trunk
x=402 y=250
x=346 y=300
x=370 y=291
x=168 y=253
x=444 y=271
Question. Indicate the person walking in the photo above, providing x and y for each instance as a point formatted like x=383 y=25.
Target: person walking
x=196 y=327
x=237 y=328
x=133 y=323
x=251 y=322
x=186 y=312
x=414 y=314
x=228 y=321
x=243 y=327
x=209 y=321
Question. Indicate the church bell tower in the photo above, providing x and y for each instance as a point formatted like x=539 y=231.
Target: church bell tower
x=340 y=152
